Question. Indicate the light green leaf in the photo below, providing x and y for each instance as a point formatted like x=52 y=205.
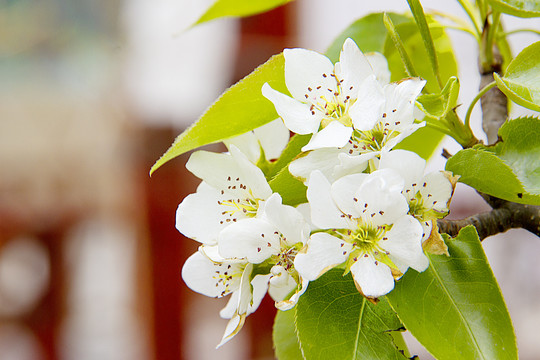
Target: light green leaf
x=335 y=322
x=410 y=71
x=509 y=170
x=423 y=142
x=455 y=308
x=420 y=18
x=521 y=82
x=240 y=109
x=412 y=40
x=284 y=335
x=437 y=106
x=223 y=8
x=369 y=33
x=292 y=190
x=521 y=8
x=294 y=147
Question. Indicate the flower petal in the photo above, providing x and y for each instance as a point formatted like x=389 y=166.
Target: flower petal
x=248 y=145
x=408 y=164
x=379 y=64
x=211 y=279
x=405 y=244
x=288 y=304
x=287 y=220
x=367 y=110
x=320 y=159
x=233 y=327
x=273 y=137
x=306 y=69
x=351 y=164
x=400 y=99
x=324 y=212
x=322 y=253
x=199 y=216
x=354 y=68
x=253 y=239
x=297 y=116
x=379 y=197
x=437 y=191
x=281 y=283
x=343 y=192
x=372 y=277
x=334 y=135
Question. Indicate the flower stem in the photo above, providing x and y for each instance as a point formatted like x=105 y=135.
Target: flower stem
x=475 y=100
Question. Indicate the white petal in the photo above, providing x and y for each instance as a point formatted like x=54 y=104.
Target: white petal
x=203 y=276
x=321 y=159
x=351 y=164
x=408 y=164
x=199 y=216
x=306 y=69
x=230 y=309
x=324 y=251
x=324 y=212
x=233 y=327
x=354 y=68
x=400 y=100
x=287 y=220
x=367 y=110
x=334 y=135
x=288 y=304
x=379 y=64
x=404 y=132
x=297 y=116
x=273 y=138
x=254 y=177
x=405 y=243
x=252 y=239
x=344 y=191
x=259 y=286
x=374 y=278
x=248 y=145
x=379 y=198
x=281 y=284
x=436 y=192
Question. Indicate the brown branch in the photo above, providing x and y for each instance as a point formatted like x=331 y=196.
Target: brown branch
x=494 y=103
x=508 y=216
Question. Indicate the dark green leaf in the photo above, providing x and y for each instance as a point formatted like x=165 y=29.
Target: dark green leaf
x=521 y=81
x=436 y=106
x=455 y=308
x=521 y=8
x=511 y=169
x=223 y=8
x=284 y=335
x=291 y=151
x=335 y=322
x=240 y=109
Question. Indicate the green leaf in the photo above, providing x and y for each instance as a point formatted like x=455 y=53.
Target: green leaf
x=223 y=8
x=294 y=147
x=521 y=82
x=412 y=40
x=521 y=8
x=510 y=170
x=292 y=190
x=410 y=71
x=284 y=335
x=240 y=109
x=369 y=33
x=420 y=18
x=423 y=141
x=335 y=322
x=437 y=106
x=455 y=308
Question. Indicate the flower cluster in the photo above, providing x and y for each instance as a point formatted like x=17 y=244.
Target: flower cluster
x=371 y=211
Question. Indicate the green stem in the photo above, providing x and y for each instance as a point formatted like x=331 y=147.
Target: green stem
x=486 y=88
x=469 y=9
x=409 y=68
x=518 y=31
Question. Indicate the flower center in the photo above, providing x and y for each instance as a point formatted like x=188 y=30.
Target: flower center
x=333 y=105
x=227 y=276
x=248 y=207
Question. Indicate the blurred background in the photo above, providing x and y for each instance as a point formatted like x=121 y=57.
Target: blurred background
x=91 y=94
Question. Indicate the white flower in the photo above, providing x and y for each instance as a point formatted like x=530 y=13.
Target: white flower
x=324 y=96
x=428 y=195
x=368 y=230
x=270 y=241
x=231 y=190
x=271 y=138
